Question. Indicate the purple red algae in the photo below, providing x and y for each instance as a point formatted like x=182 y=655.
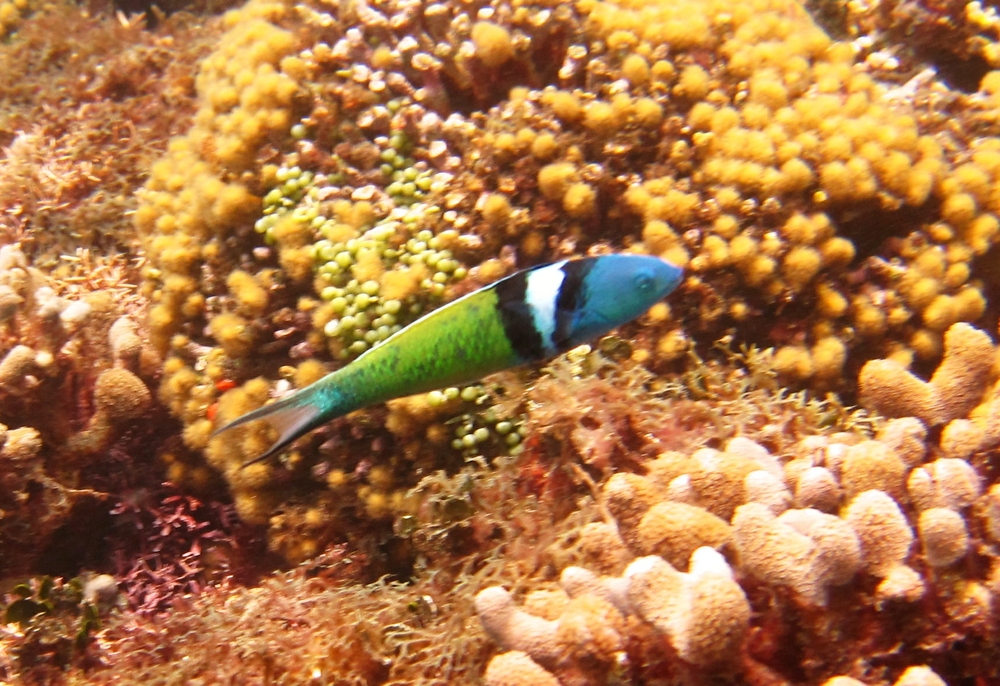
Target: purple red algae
x=783 y=474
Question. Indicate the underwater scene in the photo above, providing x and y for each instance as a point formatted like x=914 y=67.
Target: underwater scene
x=500 y=342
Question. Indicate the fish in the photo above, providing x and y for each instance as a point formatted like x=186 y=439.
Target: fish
x=529 y=316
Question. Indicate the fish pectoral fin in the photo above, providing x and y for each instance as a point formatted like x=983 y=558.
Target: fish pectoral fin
x=292 y=417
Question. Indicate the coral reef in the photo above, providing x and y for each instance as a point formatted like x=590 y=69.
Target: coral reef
x=67 y=397
x=791 y=591
x=329 y=192
x=692 y=500
x=812 y=573
x=956 y=387
x=87 y=102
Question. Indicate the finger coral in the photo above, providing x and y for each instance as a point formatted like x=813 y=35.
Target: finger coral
x=872 y=465
x=818 y=489
x=805 y=550
x=675 y=530
x=702 y=613
x=66 y=398
x=882 y=529
x=516 y=629
x=944 y=536
x=516 y=668
x=946 y=482
x=955 y=388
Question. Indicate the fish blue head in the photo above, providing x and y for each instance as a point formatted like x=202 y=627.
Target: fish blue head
x=613 y=290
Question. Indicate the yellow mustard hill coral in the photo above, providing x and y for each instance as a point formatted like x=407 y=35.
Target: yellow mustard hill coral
x=194 y=197
x=11 y=13
x=787 y=130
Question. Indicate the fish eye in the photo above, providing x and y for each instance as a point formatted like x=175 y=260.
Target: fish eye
x=644 y=282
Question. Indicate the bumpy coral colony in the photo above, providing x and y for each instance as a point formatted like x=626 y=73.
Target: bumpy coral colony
x=689 y=501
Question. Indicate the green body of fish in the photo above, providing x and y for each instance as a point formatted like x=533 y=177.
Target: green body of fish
x=528 y=316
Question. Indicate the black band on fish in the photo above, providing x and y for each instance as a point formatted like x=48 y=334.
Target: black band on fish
x=518 y=318
x=572 y=297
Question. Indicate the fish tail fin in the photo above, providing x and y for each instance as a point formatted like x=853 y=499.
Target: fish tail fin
x=292 y=416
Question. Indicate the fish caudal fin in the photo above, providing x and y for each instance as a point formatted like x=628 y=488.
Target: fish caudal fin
x=292 y=417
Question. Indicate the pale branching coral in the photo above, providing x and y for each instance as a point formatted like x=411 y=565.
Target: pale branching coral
x=872 y=465
x=62 y=396
x=947 y=482
x=907 y=436
x=703 y=613
x=629 y=496
x=586 y=635
x=956 y=387
x=807 y=551
x=718 y=480
x=882 y=529
x=960 y=438
x=817 y=488
x=515 y=629
x=919 y=675
x=16 y=369
x=768 y=489
x=901 y=583
x=943 y=535
x=126 y=344
x=119 y=396
x=603 y=549
x=675 y=530
x=516 y=668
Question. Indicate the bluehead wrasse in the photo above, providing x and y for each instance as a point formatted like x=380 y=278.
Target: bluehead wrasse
x=526 y=317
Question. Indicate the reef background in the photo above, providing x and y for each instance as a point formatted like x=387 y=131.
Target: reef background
x=205 y=205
